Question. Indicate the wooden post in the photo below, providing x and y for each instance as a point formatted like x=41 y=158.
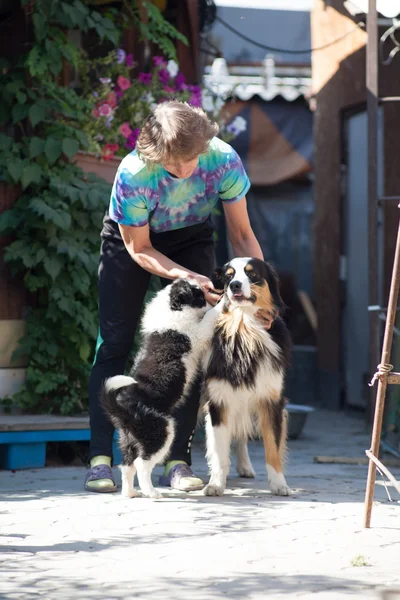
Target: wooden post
x=383 y=381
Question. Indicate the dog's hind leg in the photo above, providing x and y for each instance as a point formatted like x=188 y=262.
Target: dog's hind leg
x=144 y=470
x=218 y=451
x=243 y=463
x=128 y=473
x=273 y=421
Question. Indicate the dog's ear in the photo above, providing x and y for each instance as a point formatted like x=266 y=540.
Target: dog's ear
x=274 y=286
x=218 y=279
x=181 y=294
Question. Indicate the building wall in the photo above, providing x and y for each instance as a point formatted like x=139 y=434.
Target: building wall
x=339 y=85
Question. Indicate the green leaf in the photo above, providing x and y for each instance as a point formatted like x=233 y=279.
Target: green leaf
x=36 y=147
x=19 y=112
x=14 y=167
x=9 y=220
x=36 y=114
x=53 y=266
x=70 y=147
x=52 y=149
x=5 y=142
x=4 y=114
x=61 y=218
x=84 y=351
x=36 y=62
x=40 y=25
x=21 y=97
x=31 y=174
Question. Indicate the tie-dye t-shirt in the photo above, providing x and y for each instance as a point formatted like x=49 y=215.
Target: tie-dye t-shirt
x=140 y=196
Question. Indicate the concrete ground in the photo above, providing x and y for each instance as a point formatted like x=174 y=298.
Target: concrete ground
x=60 y=542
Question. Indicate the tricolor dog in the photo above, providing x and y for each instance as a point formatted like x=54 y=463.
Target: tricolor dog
x=244 y=374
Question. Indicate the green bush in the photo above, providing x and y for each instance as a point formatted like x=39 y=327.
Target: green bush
x=56 y=221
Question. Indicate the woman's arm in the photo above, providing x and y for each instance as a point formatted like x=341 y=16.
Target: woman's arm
x=138 y=244
x=240 y=233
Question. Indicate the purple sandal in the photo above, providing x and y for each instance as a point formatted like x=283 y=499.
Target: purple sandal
x=100 y=472
x=174 y=477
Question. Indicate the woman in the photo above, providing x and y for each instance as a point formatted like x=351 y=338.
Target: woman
x=159 y=222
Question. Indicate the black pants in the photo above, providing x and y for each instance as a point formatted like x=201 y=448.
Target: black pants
x=122 y=288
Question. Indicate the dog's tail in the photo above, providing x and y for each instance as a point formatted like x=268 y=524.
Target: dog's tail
x=116 y=396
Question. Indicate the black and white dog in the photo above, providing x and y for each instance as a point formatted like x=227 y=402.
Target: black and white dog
x=244 y=374
x=177 y=328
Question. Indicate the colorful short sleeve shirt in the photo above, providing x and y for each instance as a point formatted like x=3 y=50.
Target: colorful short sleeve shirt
x=141 y=195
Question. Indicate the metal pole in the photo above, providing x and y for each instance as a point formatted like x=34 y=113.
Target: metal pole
x=383 y=380
x=372 y=114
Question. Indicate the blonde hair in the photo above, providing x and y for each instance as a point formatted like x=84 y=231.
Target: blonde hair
x=175 y=130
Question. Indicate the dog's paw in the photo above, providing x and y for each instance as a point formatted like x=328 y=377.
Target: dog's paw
x=129 y=493
x=246 y=471
x=154 y=495
x=213 y=490
x=280 y=489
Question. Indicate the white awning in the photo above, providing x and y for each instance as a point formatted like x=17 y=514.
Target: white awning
x=387 y=8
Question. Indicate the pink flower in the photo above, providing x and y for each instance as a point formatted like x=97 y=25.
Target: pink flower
x=132 y=139
x=105 y=110
x=129 y=60
x=169 y=90
x=95 y=113
x=123 y=83
x=109 y=150
x=125 y=130
x=112 y=99
x=159 y=60
x=145 y=78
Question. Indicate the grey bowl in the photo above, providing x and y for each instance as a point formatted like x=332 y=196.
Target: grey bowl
x=298 y=414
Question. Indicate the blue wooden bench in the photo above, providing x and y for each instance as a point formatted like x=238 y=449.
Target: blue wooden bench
x=23 y=438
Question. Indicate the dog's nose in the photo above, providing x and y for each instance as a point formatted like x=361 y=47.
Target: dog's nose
x=235 y=286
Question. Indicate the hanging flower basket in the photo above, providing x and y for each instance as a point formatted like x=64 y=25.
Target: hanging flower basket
x=118 y=104
x=90 y=163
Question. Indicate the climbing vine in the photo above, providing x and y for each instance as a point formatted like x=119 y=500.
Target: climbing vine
x=55 y=222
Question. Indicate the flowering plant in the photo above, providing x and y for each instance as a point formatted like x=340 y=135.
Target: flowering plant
x=119 y=104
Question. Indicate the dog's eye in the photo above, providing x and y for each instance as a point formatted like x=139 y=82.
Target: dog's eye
x=228 y=276
x=252 y=275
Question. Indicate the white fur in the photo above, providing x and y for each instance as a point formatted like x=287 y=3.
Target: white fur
x=117 y=382
x=218 y=451
x=145 y=467
x=243 y=463
x=277 y=482
x=240 y=275
x=128 y=473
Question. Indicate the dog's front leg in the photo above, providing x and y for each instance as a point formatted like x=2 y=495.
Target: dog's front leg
x=218 y=451
x=207 y=324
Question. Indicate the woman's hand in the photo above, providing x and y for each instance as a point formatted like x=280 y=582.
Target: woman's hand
x=210 y=293
x=265 y=318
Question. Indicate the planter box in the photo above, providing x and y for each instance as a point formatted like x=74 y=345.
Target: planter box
x=89 y=163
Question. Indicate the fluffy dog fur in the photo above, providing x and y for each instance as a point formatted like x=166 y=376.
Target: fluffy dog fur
x=244 y=374
x=176 y=329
